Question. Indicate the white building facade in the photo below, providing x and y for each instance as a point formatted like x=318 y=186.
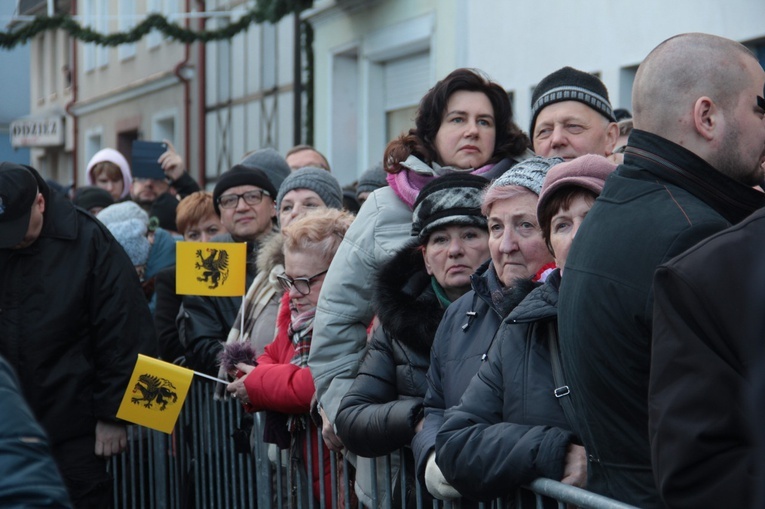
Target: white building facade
x=375 y=59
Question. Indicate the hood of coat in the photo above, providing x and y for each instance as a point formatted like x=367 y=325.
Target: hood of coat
x=271 y=257
x=405 y=301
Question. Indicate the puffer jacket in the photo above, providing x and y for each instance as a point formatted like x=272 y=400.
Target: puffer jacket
x=345 y=310
x=462 y=341
x=28 y=475
x=379 y=413
x=509 y=427
x=73 y=320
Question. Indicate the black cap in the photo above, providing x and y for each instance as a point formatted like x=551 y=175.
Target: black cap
x=241 y=175
x=18 y=190
x=89 y=197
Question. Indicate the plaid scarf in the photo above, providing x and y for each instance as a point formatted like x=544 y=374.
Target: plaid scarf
x=301 y=332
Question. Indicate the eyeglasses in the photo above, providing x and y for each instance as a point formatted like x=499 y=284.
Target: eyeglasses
x=761 y=100
x=301 y=284
x=229 y=201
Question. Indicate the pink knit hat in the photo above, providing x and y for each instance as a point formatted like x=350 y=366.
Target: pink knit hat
x=112 y=156
x=588 y=171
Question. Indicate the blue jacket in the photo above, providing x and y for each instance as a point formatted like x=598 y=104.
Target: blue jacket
x=28 y=474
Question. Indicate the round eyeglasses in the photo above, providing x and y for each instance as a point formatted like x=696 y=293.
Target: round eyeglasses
x=229 y=201
x=301 y=284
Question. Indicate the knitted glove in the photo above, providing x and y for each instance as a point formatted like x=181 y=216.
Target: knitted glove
x=435 y=482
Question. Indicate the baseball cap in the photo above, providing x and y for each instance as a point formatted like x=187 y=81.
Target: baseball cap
x=18 y=190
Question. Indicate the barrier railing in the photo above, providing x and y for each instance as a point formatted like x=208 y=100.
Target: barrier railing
x=216 y=458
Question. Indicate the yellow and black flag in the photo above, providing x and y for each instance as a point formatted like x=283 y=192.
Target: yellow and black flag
x=217 y=269
x=155 y=394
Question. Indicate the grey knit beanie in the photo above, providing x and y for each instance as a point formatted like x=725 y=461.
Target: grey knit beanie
x=122 y=212
x=529 y=173
x=569 y=84
x=318 y=180
x=270 y=162
x=131 y=234
x=454 y=199
x=374 y=178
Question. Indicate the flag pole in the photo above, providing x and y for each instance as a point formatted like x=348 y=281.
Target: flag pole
x=212 y=378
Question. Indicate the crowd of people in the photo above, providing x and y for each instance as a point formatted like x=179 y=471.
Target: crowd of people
x=426 y=310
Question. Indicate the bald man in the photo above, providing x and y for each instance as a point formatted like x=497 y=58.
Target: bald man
x=689 y=167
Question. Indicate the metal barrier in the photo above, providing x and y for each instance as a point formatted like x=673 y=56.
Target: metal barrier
x=212 y=460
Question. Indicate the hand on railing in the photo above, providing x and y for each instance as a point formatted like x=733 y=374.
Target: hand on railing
x=575 y=468
x=437 y=485
x=111 y=438
x=328 y=433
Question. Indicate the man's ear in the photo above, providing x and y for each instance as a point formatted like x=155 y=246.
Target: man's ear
x=612 y=135
x=706 y=117
x=40 y=202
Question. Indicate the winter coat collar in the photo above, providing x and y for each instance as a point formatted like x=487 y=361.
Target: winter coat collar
x=681 y=167
x=541 y=301
x=60 y=218
x=404 y=299
x=485 y=283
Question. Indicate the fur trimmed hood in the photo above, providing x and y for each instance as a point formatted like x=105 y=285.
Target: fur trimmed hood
x=405 y=301
x=271 y=258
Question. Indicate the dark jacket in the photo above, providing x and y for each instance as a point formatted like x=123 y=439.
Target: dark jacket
x=462 y=341
x=168 y=304
x=73 y=319
x=379 y=413
x=28 y=474
x=661 y=201
x=708 y=328
x=509 y=428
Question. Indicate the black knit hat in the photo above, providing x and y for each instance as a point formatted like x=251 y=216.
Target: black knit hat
x=454 y=199
x=89 y=197
x=569 y=84
x=241 y=175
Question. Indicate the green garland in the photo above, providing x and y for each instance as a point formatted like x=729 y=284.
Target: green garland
x=265 y=11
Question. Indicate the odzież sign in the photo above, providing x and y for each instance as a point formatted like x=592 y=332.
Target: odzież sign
x=37 y=132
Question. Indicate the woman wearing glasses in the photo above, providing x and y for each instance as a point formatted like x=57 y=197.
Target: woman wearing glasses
x=304 y=190
x=383 y=409
x=281 y=381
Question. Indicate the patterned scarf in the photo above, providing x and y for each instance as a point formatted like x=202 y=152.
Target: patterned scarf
x=408 y=182
x=301 y=332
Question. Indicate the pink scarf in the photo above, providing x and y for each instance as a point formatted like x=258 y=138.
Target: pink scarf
x=407 y=183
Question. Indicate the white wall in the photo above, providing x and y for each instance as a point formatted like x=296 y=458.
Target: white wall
x=520 y=42
x=517 y=43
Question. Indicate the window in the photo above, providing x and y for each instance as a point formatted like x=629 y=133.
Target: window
x=92 y=142
x=95 y=15
x=127 y=20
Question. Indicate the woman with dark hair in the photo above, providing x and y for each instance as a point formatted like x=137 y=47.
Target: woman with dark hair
x=463 y=124
x=422 y=142
x=509 y=427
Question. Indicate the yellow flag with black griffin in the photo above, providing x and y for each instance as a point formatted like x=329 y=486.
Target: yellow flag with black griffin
x=155 y=394
x=210 y=268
